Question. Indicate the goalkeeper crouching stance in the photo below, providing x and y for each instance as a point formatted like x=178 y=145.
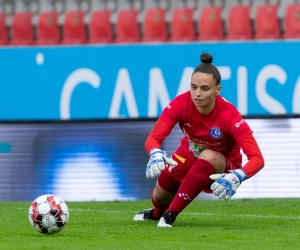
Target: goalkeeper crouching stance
x=208 y=158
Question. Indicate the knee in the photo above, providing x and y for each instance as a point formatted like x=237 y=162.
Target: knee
x=161 y=196
x=160 y=199
x=216 y=159
x=209 y=155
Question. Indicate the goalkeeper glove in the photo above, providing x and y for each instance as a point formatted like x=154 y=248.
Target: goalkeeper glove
x=157 y=161
x=225 y=185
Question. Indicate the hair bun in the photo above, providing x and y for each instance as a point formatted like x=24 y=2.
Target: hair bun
x=206 y=58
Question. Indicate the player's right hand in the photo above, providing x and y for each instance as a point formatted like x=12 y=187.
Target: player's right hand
x=157 y=161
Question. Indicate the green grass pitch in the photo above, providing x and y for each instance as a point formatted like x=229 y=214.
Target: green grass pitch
x=206 y=224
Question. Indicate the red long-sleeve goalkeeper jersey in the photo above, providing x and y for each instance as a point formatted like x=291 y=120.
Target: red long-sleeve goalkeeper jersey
x=223 y=130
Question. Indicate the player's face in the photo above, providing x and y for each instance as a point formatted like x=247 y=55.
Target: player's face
x=204 y=91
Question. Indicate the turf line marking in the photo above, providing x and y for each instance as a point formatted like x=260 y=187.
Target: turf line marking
x=256 y=216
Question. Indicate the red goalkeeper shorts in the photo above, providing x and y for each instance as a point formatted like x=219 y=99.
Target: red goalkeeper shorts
x=186 y=160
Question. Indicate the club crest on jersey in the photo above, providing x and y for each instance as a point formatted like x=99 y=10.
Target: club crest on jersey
x=215 y=133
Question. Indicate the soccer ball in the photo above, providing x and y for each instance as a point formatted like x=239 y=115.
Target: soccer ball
x=48 y=214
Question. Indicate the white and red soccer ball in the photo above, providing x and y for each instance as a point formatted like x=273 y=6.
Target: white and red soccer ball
x=48 y=214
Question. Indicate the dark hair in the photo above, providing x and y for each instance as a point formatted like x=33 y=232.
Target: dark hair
x=207 y=67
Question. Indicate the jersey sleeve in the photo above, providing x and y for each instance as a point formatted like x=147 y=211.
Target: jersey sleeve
x=164 y=125
x=171 y=113
x=255 y=159
x=239 y=128
x=159 y=132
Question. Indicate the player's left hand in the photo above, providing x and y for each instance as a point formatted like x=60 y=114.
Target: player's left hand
x=225 y=185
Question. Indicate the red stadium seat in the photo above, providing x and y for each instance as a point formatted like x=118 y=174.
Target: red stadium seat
x=292 y=21
x=266 y=22
x=155 y=26
x=239 y=23
x=48 y=28
x=3 y=30
x=210 y=24
x=182 y=25
x=74 y=28
x=127 y=26
x=100 y=27
x=22 y=29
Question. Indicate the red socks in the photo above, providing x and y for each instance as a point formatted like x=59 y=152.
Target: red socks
x=159 y=208
x=168 y=184
x=194 y=182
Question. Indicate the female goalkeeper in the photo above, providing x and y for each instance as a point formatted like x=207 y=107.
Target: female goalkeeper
x=208 y=158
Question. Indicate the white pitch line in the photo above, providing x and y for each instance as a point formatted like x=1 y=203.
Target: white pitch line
x=255 y=216
x=258 y=216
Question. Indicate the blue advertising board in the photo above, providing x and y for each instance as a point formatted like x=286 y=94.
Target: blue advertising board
x=106 y=159
x=139 y=80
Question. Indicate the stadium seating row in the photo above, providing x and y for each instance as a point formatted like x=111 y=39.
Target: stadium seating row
x=182 y=26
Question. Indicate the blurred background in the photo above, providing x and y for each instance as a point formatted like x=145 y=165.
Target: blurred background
x=83 y=82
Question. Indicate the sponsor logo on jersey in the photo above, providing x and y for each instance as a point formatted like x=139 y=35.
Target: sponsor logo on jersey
x=238 y=124
x=169 y=106
x=215 y=133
